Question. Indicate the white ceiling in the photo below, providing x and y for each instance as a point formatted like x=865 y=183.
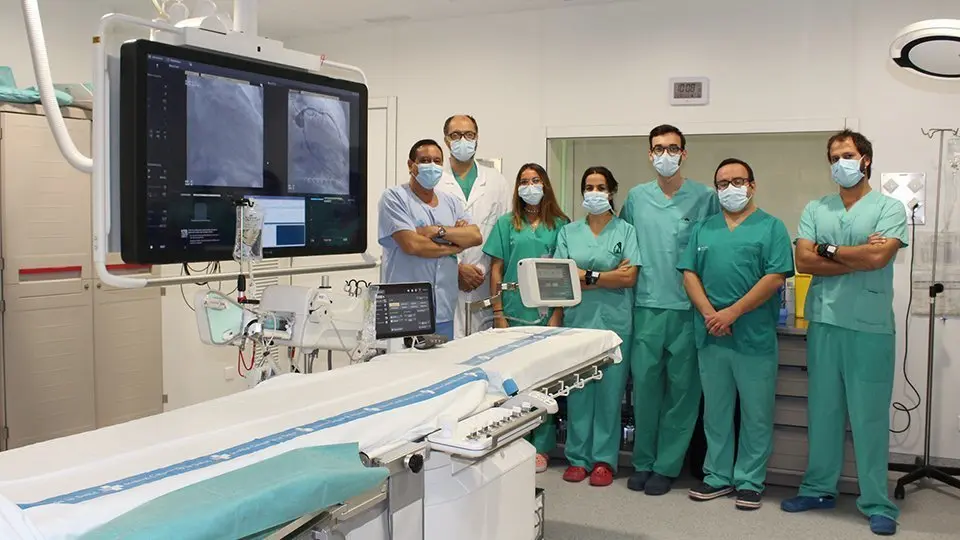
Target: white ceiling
x=285 y=19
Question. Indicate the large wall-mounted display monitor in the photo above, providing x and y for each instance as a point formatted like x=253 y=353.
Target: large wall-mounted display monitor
x=201 y=130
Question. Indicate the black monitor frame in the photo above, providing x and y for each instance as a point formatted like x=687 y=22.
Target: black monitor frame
x=388 y=289
x=133 y=146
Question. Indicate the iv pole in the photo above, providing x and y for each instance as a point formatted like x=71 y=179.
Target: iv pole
x=925 y=468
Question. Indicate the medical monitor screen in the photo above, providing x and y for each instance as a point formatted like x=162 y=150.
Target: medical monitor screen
x=554 y=281
x=404 y=310
x=201 y=131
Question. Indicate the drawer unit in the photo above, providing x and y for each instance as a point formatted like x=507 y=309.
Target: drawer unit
x=793 y=351
x=792 y=382
x=791 y=451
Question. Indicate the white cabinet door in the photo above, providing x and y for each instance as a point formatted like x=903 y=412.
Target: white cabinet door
x=128 y=352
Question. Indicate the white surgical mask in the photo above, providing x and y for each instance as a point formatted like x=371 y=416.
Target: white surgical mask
x=596 y=202
x=734 y=199
x=531 y=194
x=846 y=172
x=428 y=174
x=463 y=150
x=666 y=164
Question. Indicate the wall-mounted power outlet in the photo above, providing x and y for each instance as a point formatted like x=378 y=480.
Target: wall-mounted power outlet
x=229 y=373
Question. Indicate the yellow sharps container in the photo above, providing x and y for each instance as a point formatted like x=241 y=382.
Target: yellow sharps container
x=801 y=284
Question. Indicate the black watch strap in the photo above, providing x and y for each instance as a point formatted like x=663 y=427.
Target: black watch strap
x=592 y=277
x=826 y=251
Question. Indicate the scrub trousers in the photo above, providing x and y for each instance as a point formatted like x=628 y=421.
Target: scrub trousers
x=723 y=373
x=666 y=389
x=594 y=420
x=850 y=371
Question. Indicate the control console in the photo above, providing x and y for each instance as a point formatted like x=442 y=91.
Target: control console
x=482 y=433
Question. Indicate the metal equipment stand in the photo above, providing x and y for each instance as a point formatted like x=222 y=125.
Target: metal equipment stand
x=470 y=307
x=925 y=468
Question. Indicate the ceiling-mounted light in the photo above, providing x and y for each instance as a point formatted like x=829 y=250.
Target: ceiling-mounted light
x=930 y=48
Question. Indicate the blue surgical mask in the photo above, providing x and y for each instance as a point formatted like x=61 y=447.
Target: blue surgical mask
x=463 y=150
x=666 y=165
x=846 y=172
x=531 y=194
x=428 y=174
x=596 y=202
x=734 y=199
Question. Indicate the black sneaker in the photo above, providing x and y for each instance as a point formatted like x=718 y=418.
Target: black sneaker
x=658 y=484
x=638 y=480
x=706 y=492
x=748 y=500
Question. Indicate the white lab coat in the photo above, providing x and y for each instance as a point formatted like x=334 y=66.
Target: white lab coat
x=490 y=198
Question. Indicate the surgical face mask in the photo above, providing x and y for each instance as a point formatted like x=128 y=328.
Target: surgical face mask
x=463 y=150
x=734 y=199
x=596 y=202
x=666 y=165
x=428 y=174
x=531 y=194
x=846 y=172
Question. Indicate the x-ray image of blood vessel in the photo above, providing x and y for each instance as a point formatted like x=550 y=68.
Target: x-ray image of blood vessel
x=224 y=132
x=319 y=145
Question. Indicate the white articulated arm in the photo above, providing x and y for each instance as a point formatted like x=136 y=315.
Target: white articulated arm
x=41 y=67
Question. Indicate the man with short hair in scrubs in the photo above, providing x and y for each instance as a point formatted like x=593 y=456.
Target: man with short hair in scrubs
x=422 y=231
x=848 y=241
x=732 y=269
x=663 y=362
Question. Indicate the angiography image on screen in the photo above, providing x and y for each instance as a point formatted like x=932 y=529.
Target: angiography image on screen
x=224 y=132
x=318 y=145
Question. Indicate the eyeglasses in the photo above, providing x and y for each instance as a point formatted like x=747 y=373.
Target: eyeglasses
x=457 y=135
x=528 y=181
x=735 y=182
x=673 y=150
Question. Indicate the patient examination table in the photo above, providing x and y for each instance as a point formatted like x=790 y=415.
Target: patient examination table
x=345 y=449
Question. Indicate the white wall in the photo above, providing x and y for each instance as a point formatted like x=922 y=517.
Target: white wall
x=609 y=65
x=68 y=26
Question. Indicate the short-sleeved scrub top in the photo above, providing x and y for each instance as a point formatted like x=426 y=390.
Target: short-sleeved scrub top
x=511 y=246
x=600 y=308
x=729 y=264
x=860 y=301
x=663 y=229
x=401 y=210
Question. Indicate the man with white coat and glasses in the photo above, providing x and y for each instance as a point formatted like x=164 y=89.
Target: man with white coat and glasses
x=485 y=196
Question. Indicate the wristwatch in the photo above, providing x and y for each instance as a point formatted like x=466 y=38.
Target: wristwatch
x=827 y=251
x=441 y=232
x=592 y=277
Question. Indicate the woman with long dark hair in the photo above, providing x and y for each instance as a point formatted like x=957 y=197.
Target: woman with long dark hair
x=607 y=255
x=529 y=231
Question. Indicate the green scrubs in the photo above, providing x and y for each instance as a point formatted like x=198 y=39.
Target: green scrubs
x=508 y=244
x=851 y=351
x=663 y=361
x=729 y=264
x=466 y=181
x=593 y=412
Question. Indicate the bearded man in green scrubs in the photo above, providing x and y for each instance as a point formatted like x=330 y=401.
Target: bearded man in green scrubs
x=663 y=362
x=848 y=241
x=732 y=269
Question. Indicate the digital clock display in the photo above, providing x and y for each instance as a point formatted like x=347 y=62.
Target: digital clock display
x=688 y=90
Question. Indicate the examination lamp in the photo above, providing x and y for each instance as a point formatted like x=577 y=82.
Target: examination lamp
x=929 y=48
